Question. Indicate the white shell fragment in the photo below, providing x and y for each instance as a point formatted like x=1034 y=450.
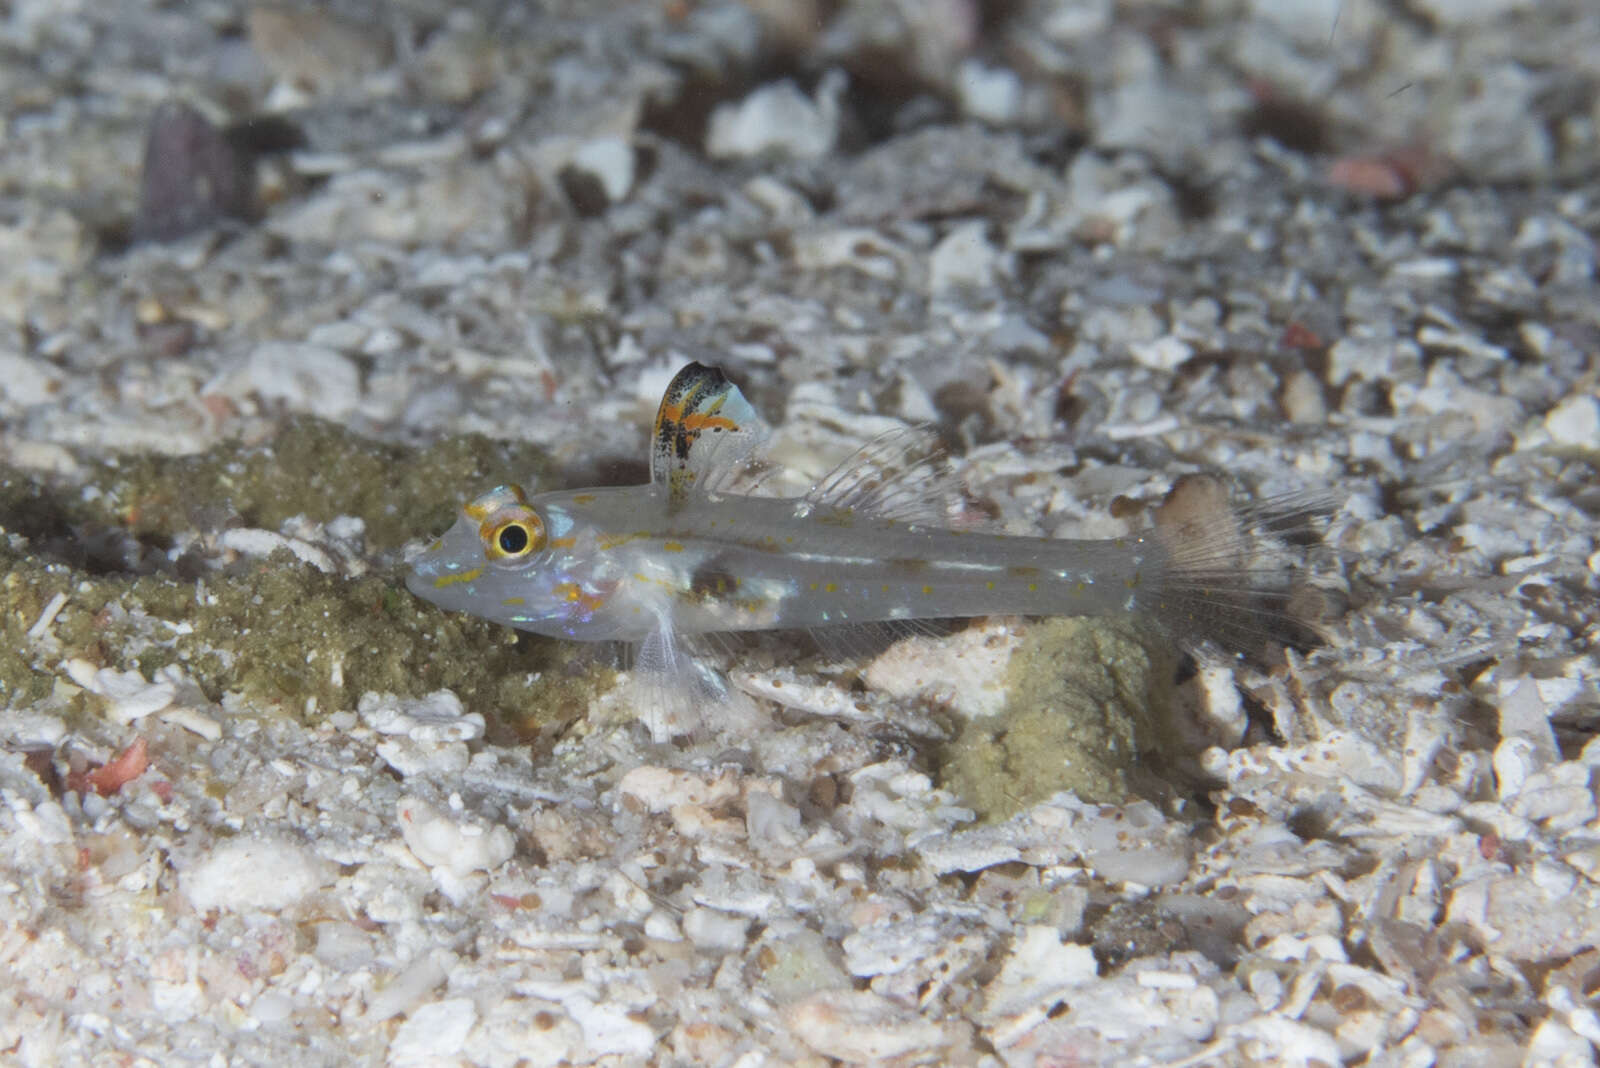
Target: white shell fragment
x=250 y=872
x=308 y=378
x=611 y=161
x=965 y=672
x=433 y=1032
x=859 y=1026
x=129 y=695
x=438 y=717
x=460 y=847
x=1575 y=422
x=778 y=120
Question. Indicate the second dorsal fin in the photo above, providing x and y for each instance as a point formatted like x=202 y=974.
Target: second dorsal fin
x=902 y=474
x=706 y=434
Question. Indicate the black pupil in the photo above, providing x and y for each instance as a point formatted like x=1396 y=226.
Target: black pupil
x=513 y=539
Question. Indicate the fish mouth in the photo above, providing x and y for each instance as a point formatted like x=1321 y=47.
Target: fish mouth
x=424 y=570
x=419 y=578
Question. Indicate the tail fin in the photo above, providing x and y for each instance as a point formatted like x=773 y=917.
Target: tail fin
x=1237 y=576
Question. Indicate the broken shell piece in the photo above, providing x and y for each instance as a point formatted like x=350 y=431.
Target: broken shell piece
x=438 y=717
x=859 y=1026
x=128 y=694
x=460 y=848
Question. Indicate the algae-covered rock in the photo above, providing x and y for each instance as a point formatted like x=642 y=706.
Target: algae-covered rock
x=287 y=636
x=312 y=468
x=1086 y=702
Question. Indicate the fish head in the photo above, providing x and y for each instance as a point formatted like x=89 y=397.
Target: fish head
x=496 y=562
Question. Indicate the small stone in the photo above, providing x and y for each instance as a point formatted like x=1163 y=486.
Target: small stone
x=254 y=873
x=315 y=50
x=964 y=260
x=409 y=986
x=128 y=694
x=610 y=160
x=460 y=62
x=308 y=378
x=29 y=381
x=966 y=671
x=1039 y=970
x=803 y=963
x=1071 y=21
x=249 y=541
x=859 y=1026
x=433 y=1032
x=1575 y=422
x=778 y=120
x=713 y=930
x=662 y=789
x=458 y=847
x=990 y=94
x=193 y=176
x=428 y=760
x=438 y=717
x=1302 y=399
x=1167 y=353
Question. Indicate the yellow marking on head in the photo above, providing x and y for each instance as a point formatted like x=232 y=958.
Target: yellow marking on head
x=567 y=542
x=436 y=546
x=513 y=602
x=508 y=496
x=611 y=541
x=927 y=589
x=583 y=498
x=1033 y=587
x=830 y=588
x=672 y=546
x=460 y=576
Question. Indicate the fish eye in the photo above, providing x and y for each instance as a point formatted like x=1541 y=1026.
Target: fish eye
x=509 y=539
x=512 y=539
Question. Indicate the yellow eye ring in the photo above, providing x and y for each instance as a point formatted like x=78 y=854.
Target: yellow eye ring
x=508 y=539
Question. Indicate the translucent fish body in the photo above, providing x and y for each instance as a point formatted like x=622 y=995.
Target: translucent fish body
x=694 y=552
x=619 y=563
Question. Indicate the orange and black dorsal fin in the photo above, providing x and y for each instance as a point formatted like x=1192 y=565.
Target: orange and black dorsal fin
x=706 y=435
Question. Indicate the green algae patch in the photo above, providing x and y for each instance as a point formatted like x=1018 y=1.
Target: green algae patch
x=277 y=631
x=1086 y=703
x=312 y=468
x=284 y=635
